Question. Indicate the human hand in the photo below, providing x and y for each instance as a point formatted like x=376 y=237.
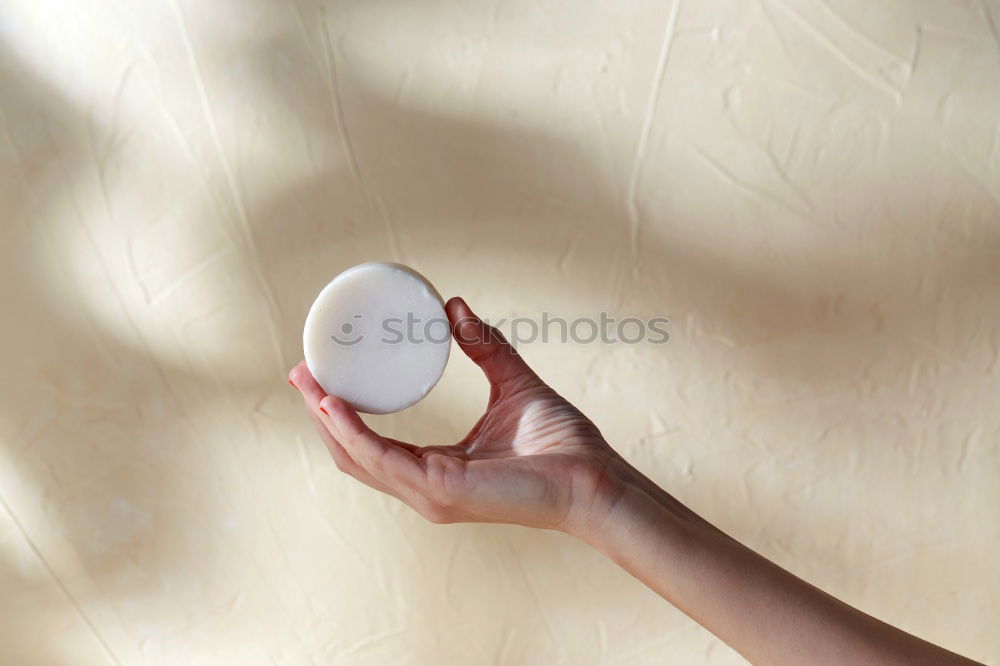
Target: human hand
x=532 y=459
x=535 y=460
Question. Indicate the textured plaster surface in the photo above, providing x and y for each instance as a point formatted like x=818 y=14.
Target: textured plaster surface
x=808 y=189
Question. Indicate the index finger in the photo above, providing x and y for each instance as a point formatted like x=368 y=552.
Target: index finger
x=385 y=460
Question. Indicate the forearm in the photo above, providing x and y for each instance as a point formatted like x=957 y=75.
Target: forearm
x=764 y=612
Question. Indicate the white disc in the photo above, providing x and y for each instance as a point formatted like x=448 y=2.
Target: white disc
x=378 y=337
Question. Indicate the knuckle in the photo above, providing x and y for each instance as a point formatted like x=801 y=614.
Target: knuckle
x=490 y=350
x=443 y=474
x=443 y=501
x=376 y=463
x=435 y=513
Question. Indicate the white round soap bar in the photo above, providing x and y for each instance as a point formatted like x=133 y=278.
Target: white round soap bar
x=378 y=337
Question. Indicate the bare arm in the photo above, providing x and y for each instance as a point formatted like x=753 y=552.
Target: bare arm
x=764 y=612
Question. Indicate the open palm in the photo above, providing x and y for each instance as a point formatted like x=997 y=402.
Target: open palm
x=531 y=459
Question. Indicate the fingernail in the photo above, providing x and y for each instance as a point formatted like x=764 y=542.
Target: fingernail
x=293 y=385
x=323 y=410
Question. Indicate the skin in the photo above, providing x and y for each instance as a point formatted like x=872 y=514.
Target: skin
x=533 y=459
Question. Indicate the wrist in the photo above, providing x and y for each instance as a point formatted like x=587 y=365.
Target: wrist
x=628 y=504
x=617 y=488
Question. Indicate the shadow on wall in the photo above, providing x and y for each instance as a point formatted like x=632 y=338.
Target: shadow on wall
x=81 y=398
x=476 y=192
x=485 y=193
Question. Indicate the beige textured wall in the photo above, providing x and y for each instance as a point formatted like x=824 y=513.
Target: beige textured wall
x=810 y=191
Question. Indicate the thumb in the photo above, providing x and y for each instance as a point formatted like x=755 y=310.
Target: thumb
x=487 y=347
